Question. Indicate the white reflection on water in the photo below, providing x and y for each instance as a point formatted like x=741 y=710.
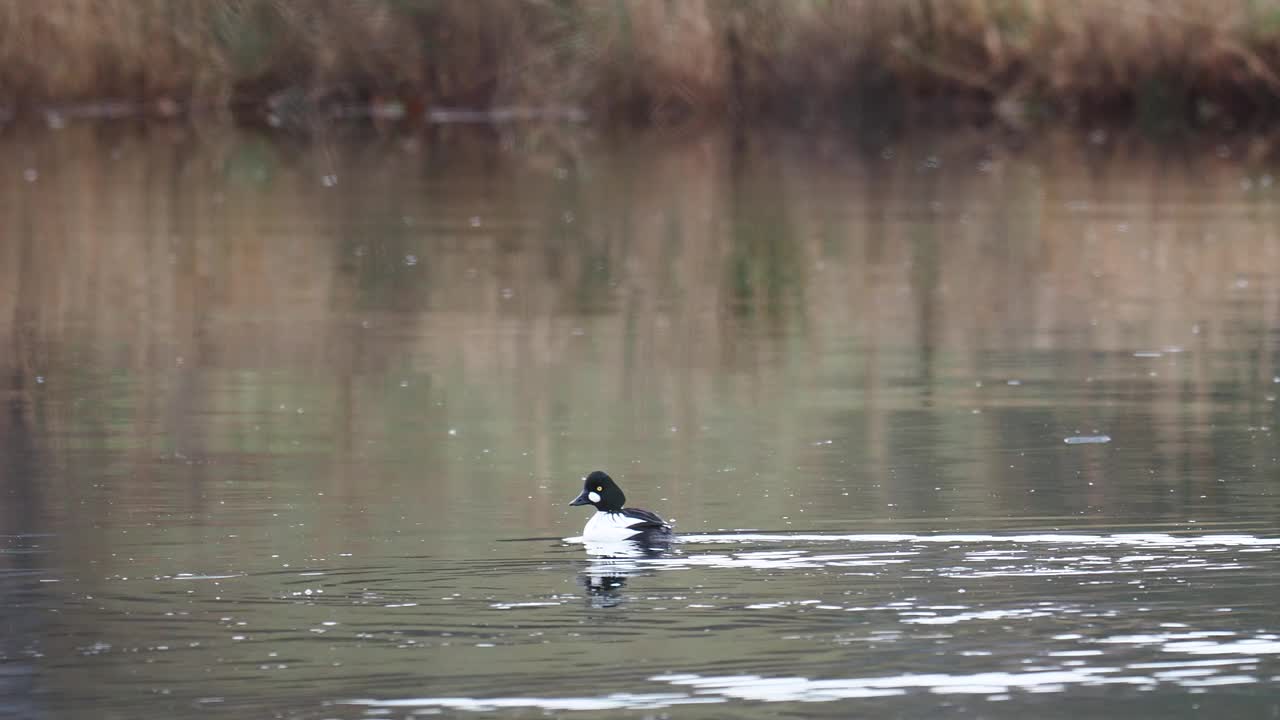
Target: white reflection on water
x=721 y=688
x=1010 y=614
x=1073 y=554
x=1136 y=555
x=1152 y=540
x=620 y=549
x=1200 y=658
x=792 y=689
x=780 y=560
x=1262 y=645
x=1195 y=643
x=616 y=701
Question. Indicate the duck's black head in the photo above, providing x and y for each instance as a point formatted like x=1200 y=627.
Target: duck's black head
x=600 y=490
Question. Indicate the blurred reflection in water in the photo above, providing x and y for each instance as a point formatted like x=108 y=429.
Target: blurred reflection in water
x=234 y=366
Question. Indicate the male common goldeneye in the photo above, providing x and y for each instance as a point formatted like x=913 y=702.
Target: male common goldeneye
x=612 y=522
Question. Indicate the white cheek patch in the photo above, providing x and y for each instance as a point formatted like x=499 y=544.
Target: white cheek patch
x=593 y=497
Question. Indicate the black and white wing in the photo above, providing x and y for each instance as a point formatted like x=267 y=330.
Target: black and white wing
x=644 y=519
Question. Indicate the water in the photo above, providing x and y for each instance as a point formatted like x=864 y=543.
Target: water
x=947 y=425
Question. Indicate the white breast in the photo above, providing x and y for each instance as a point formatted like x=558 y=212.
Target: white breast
x=604 y=527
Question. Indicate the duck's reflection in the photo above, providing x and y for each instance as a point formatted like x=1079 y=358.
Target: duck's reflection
x=603 y=591
x=610 y=565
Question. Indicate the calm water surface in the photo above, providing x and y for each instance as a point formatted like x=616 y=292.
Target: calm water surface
x=948 y=426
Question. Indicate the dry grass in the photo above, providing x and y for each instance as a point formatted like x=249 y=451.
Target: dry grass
x=648 y=59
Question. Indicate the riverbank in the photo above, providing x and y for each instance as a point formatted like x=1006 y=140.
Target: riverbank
x=1154 y=63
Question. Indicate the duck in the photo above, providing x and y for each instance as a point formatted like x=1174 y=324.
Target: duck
x=613 y=522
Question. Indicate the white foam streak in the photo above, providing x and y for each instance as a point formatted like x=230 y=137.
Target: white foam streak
x=1016 y=614
x=1248 y=646
x=1141 y=540
x=800 y=689
x=616 y=701
x=723 y=688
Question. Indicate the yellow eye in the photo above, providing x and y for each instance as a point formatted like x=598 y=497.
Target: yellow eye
x=599 y=488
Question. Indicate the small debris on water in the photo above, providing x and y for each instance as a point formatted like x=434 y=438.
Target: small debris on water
x=1087 y=439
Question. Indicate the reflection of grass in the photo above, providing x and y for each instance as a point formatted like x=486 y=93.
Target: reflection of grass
x=763 y=268
x=756 y=299
x=1163 y=104
x=765 y=260
x=252 y=163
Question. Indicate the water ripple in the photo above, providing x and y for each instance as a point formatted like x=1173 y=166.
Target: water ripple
x=1147 y=540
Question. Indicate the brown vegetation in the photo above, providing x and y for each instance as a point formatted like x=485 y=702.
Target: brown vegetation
x=1196 y=61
